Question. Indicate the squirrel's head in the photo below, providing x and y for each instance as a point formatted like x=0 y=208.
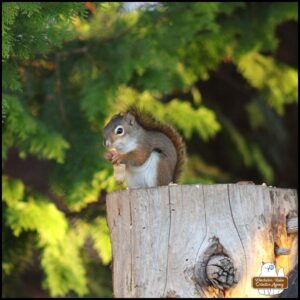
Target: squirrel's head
x=121 y=133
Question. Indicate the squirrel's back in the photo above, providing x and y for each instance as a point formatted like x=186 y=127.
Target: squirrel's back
x=148 y=122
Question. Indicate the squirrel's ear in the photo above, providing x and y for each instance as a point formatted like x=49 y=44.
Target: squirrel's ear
x=130 y=119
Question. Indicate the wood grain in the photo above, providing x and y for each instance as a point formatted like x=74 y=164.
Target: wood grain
x=162 y=237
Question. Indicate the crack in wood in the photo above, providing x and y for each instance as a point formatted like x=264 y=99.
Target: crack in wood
x=169 y=233
x=131 y=244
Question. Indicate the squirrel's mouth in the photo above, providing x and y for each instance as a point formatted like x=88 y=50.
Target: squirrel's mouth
x=121 y=149
x=118 y=146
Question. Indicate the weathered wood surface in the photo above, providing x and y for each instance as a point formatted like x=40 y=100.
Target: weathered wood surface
x=162 y=237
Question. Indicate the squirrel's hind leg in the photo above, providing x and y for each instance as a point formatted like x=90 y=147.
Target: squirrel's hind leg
x=164 y=172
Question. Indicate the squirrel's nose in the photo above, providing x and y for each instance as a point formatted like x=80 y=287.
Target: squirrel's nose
x=106 y=143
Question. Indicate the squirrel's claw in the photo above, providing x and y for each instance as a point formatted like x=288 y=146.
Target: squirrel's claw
x=116 y=159
x=112 y=156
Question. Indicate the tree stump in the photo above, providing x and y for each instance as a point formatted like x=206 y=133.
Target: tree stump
x=199 y=241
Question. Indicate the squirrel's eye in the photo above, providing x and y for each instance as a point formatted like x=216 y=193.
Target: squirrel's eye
x=119 y=130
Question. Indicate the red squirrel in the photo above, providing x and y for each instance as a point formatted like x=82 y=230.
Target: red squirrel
x=153 y=152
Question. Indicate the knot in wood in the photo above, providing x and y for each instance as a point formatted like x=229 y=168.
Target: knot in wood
x=220 y=272
x=281 y=251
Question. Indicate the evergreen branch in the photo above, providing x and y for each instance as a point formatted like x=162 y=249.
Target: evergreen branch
x=75 y=51
x=58 y=89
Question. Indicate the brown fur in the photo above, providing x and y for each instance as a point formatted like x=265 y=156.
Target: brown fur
x=135 y=158
x=163 y=178
x=148 y=122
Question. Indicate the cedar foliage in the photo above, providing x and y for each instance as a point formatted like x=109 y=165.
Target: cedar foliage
x=66 y=70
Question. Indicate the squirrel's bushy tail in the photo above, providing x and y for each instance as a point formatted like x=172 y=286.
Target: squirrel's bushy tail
x=148 y=122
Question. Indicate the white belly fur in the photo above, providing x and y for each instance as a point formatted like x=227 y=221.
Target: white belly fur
x=144 y=175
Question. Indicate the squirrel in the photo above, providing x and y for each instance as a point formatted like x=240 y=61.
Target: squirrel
x=153 y=152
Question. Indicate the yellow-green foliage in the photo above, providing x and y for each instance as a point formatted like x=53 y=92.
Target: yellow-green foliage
x=98 y=232
x=60 y=254
x=279 y=83
x=176 y=112
x=33 y=135
x=64 y=268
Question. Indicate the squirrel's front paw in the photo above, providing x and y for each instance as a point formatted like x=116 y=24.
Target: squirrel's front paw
x=113 y=156
x=108 y=155
x=116 y=158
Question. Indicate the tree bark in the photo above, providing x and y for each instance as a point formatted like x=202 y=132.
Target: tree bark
x=199 y=240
